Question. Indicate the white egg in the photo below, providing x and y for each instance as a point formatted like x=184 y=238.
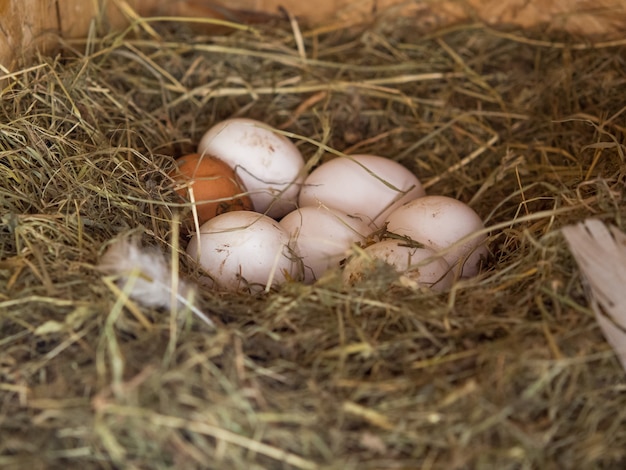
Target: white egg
x=439 y=222
x=243 y=250
x=421 y=265
x=322 y=237
x=269 y=164
x=367 y=186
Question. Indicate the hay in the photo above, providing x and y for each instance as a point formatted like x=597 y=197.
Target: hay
x=507 y=370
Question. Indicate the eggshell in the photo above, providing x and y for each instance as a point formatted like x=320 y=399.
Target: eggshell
x=439 y=222
x=322 y=237
x=418 y=264
x=269 y=164
x=213 y=184
x=243 y=250
x=367 y=186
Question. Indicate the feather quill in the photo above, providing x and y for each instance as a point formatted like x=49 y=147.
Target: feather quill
x=155 y=281
x=600 y=252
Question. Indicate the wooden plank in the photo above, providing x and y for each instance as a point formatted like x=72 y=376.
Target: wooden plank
x=29 y=24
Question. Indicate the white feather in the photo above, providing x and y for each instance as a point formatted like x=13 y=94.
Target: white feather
x=154 y=280
x=600 y=252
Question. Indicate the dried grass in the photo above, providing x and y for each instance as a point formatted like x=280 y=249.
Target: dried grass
x=507 y=370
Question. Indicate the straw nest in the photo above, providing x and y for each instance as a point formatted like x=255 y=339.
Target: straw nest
x=505 y=370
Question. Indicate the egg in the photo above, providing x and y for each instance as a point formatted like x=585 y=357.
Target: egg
x=367 y=186
x=420 y=265
x=243 y=250
x=269 y=164
x=439 y=222
x=322 y=237
x=210 y=184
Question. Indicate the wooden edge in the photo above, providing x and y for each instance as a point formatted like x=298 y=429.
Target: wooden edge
x=28 y=25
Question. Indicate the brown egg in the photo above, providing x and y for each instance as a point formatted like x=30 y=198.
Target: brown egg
x=211 y=184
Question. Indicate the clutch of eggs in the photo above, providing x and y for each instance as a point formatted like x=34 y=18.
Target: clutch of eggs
x=322 y=216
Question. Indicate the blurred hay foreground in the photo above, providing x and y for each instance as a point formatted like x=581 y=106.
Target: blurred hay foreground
x=507 y=370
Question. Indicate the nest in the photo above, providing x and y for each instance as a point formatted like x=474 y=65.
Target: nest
x=505 y=370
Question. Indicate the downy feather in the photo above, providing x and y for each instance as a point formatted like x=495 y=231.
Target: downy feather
x=153 y=285
x=600 y=252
